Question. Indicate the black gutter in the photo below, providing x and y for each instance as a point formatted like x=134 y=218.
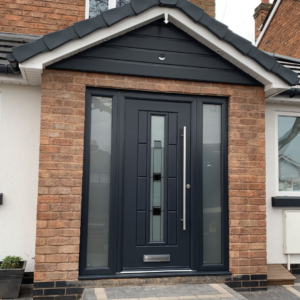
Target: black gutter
x=292 y=93
x=8 y=69
x=12 y=68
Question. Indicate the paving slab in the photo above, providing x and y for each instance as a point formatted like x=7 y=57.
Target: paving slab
x=163 y=292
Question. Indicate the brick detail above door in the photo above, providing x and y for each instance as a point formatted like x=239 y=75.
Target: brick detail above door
x=61 y=162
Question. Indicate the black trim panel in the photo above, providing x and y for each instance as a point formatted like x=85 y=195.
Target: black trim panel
x=157 y=50
x=286 y=201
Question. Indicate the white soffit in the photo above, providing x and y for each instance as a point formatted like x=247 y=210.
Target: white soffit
x=13 y=79
x=33 y=67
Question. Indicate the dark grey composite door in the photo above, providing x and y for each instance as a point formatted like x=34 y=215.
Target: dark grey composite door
x=153 y=229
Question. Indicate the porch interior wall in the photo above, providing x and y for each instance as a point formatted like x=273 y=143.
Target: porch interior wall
x=61 y=162
x=274 y=214
x=19 y=135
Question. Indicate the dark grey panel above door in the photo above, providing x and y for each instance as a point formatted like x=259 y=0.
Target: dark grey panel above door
x=157 y=50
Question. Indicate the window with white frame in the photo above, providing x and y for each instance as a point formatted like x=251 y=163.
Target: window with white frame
x=289 y=153
x=96 y=7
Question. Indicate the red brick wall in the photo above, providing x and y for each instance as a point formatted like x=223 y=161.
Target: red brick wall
x=209 y=6
x=282 y=35
x=39 y=17
x=61 y=161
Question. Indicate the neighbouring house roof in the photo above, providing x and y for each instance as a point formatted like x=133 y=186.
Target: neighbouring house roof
x=292 y=64
x=34 y=56
x=7 y=42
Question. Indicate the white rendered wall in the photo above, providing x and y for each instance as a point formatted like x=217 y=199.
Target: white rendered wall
x=274 y=214
x=19 y=156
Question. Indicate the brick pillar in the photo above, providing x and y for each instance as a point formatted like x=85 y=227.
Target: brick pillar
x=260 y=15
x=209 y=6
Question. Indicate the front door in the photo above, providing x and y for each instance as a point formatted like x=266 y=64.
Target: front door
x=155 y=185
x=156 y=219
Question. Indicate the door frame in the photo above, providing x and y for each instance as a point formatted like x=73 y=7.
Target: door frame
x=117 y=169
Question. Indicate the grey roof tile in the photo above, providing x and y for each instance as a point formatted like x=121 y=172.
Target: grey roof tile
x=217 y=28
x=139 y=6
x=240 y=43
x=57 y=38
x=26 y=51
x=41 y=44
x=83 y=28
x=264 y=60
x=193 y=11
x=168 y=3
x=115 y=15
x=72 y=33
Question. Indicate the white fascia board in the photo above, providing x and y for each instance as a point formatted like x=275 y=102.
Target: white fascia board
x=272 y=83
x=13 y=79
x=268 y=23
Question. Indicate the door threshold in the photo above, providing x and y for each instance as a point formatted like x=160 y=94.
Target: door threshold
x=155 y=271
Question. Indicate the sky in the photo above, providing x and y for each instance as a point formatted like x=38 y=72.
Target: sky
x=238 y=15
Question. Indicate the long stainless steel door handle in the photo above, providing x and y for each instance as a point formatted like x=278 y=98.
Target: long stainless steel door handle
x=184 y=178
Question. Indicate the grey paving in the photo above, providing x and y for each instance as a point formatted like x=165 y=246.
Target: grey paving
x=273 y=292
x=159 y=291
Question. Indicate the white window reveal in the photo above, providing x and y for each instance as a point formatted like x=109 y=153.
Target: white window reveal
x=289 y=153
x=96 y=7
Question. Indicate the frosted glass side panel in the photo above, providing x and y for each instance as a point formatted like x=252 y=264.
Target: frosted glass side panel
x=99 y=185
x=289 y=153
x=212 y=184
x=157 y=178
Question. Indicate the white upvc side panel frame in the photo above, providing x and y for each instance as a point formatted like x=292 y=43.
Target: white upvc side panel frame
x=273 y=84
x=277 y=114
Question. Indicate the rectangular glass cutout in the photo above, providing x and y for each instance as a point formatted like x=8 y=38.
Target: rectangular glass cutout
x=212 y=187
x=99 y=184
x=157 y=178
x=289 y=153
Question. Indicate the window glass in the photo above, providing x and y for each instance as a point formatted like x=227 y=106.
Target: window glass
x=212 y=206
x=289 y=153
x=157 y=178
x=96 y=7
x=99 y=185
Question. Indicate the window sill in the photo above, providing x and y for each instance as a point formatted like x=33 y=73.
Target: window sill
x=286 y=201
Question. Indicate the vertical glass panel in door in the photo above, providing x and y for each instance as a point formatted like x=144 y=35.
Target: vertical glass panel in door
x=99 y=185
x=157 y=178
x=289 y=153
x=212 y=209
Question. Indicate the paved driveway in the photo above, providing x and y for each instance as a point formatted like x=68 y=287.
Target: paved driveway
x=163 y=292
